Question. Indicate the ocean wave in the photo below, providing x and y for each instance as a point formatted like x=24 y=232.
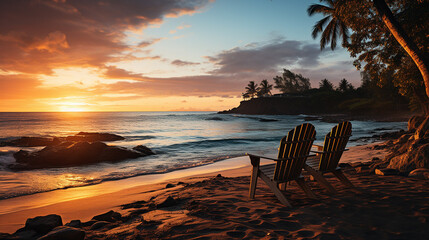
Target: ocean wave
x=114 y=176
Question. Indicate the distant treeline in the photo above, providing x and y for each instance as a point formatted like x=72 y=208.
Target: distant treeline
x=297 y=97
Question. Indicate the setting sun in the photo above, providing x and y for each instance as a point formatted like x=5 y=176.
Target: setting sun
x=72 y=107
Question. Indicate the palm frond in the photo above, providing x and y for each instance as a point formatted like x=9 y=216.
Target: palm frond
x=317 y=8
x=318 y=27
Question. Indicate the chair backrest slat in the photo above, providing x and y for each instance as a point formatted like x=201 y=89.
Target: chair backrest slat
x=295 y=148
x=333 y=148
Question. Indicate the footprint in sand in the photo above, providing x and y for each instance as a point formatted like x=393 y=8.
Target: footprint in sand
x=243 y=209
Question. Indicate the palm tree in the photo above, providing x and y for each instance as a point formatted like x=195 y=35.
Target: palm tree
x=251 y=89
x=420 y=58
x=334 y=28
x=264 y=88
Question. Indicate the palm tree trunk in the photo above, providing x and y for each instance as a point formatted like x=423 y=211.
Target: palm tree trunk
x=419 y=58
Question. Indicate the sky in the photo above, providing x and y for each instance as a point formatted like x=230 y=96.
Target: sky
x=163 y=55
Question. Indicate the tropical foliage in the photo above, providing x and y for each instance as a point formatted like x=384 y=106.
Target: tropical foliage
x=326 y=85
x=345 y=86
x=376 y=46
x=291 y=82
x=251 y=90
x=331 y=26
x=264 y=88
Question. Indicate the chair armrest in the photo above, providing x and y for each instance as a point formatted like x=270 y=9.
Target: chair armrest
x=320 y=152
x=257 y=156
x=274 y=159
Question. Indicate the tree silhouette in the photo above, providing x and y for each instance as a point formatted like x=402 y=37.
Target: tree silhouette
x=326 y=85
x=290 y=82
x=334 y=29
x=264 y=88
x=251 y=89
x=345 y=86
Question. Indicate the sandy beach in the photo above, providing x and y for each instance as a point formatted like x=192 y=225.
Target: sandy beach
x=206 y=204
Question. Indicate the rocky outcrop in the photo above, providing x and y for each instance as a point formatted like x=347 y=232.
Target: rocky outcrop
x=110 y=216
x=68 y=154
x=411 y=150
x=49 y=141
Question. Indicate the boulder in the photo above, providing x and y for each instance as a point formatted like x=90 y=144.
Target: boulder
x=99 y=225
x=168 y=202
x=64 y=233
x=421 y=173
x=31 y=142
x=386 y=172
x=49 y=141
x=144 y=150
x=416 y=157
x=43 y=224
x=69 y=154
x=74 y=223
x=110 y=216
x=94 y=137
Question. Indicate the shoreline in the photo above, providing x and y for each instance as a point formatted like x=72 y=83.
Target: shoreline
x=85 y=202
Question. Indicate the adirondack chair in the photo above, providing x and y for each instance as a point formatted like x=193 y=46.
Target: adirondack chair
x=328 y=156
x=293 y=151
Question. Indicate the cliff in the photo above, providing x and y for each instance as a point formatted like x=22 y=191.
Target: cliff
x=359 y=108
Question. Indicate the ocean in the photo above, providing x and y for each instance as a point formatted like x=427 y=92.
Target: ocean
x=179 y=139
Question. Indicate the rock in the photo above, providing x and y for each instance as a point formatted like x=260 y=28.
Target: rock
x=43 y=224
x=74 y=223
x=49 y=141
x=267 y=120
x=356 y=164
x=219 y=176
x=169 y=185
x=110 y=216
x=69 y=154
x=362 y=169
x=94 y=137
x=99 y=225
x=31 y=142
x=386 y=172
x=416 y=157
x=64 y=233
x=414 y=122
x=421 y=173
x=344 y=165
x=89 y=223
x=168 y=202
x=24 y=234
x=144 y=150
x=215 y=119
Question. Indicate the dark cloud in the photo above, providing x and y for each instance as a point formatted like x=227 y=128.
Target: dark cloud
x=256 y=58
x=178 y=62
x=39 y=35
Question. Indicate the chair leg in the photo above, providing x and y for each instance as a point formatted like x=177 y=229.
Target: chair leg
x=282 y=186
x=253 y=182
x=275 y=189
x=340 y=175
x=305 y=188
x=319 y=178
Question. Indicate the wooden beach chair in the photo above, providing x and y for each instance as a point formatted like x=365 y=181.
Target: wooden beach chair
x=293 y=151
x=328 y=156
